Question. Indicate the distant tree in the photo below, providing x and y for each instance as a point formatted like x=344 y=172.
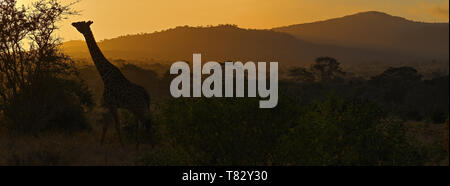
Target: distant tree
x=301 y=75
x=327 y=69
x=393 y=86
x=399 y=74
x=395 y=82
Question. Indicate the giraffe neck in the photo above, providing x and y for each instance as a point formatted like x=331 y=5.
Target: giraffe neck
x=104 y=67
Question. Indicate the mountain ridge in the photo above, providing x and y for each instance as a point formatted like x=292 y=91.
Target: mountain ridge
x=375 y=30
x=229 y=42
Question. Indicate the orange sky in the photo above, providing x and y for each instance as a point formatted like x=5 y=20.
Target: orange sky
x=113 y=18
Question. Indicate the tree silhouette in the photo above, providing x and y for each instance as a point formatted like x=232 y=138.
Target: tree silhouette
x=399 y=74
x=327 y=69
x=301 y=75
x=394 y=83
x=28 y=48
x=39 y=85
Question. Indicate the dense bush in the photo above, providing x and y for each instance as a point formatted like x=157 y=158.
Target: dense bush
x=35 y=91
x=228 y=131
x=345 y=132
x=329 y=131
x=47 y=105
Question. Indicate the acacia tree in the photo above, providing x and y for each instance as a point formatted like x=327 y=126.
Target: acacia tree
x=324 y=69
x=39 y=86
x=327 y=69
x=28 y=48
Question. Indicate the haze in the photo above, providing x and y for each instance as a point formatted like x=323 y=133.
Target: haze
x=113 y=18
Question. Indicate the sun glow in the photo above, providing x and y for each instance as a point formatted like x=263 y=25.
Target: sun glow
x=117 y=17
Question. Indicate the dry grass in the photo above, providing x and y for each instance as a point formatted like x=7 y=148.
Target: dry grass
x=79 y=149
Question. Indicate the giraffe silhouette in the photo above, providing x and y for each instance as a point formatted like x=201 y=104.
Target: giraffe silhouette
x=118 y=91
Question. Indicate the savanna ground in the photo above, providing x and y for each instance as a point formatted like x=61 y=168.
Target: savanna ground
x=84 y=148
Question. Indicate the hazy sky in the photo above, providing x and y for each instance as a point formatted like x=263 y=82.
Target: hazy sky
x=113 y=18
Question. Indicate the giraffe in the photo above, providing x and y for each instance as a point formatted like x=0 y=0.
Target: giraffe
x=119 y=92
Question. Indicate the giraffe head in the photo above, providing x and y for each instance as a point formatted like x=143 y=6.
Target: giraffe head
x=83 y=27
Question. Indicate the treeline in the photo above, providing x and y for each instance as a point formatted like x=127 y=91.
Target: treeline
x=400 y=90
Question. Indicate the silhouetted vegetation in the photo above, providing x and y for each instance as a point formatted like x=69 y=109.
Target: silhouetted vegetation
x=335 y=131
x=339 y=121
x=39 y=86
x=51 y=104
x=327 y=115
x=342 y=121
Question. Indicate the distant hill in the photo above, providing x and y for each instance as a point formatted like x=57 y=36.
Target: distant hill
x=219 y=43
x=376 y=30
x=289 y=46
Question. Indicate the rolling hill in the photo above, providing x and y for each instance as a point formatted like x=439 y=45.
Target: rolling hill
x=294 y=45
x=379 y=31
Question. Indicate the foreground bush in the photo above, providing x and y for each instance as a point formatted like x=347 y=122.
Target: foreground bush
x=49 y=105
x=346 y=132
x=228 y=131
x=333 y=131
x=35 y=94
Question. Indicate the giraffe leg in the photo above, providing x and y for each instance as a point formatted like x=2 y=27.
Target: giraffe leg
x=148 y=124
x=148 y=130
x=117 y=124
x=137 y=134
x=105 y=129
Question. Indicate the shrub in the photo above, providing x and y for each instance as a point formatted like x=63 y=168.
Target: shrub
x=129 y=123
x=228 y=131
x=341 y=131
x=49 y=105
x=35 y=94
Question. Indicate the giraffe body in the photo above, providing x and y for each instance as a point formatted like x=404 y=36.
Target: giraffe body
x=119 y=92
x=128 y=96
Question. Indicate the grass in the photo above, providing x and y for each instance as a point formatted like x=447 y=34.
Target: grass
x=82 y=148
